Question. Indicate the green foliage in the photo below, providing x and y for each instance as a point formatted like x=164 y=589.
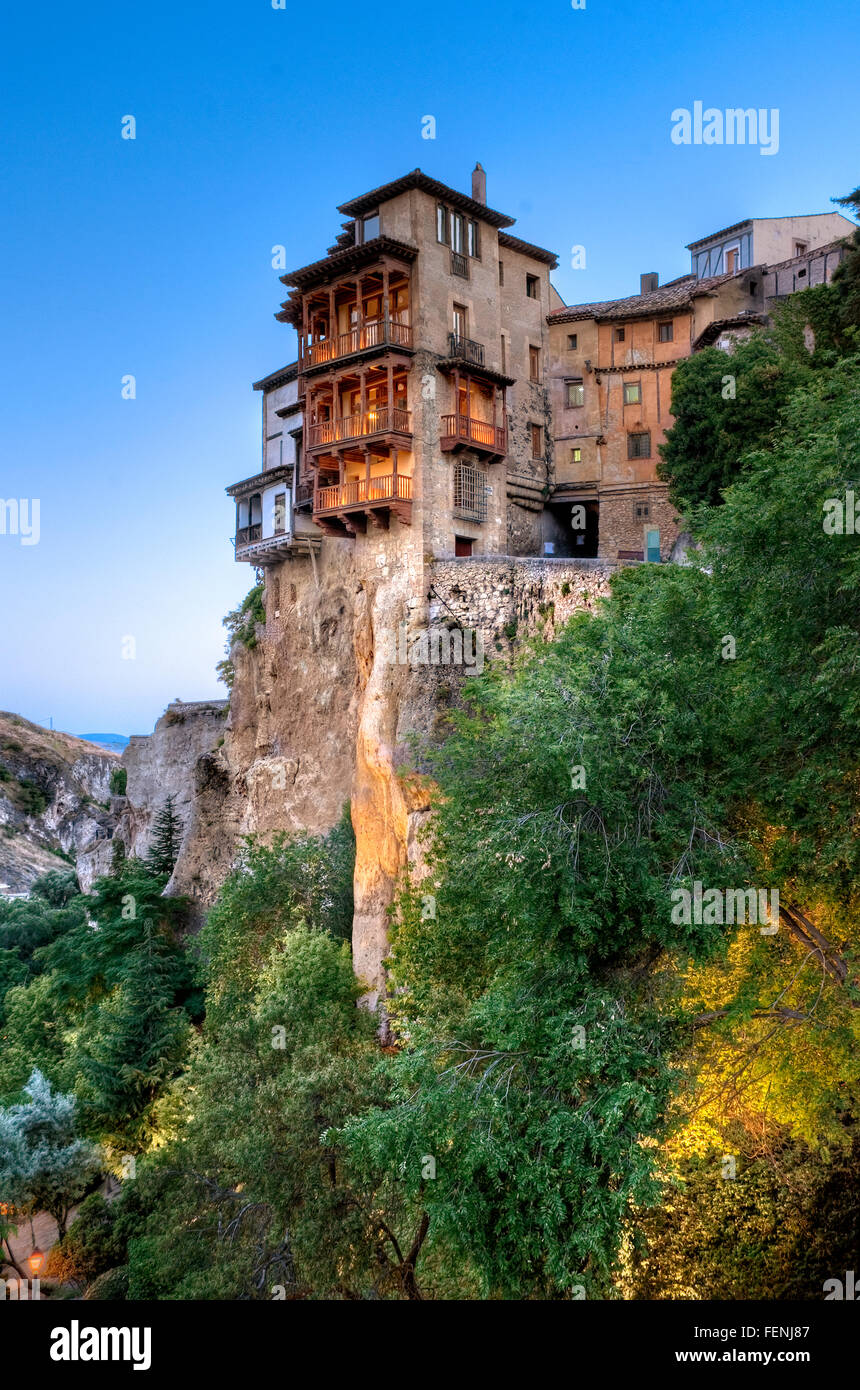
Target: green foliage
x=30 y=797
x=167 y=829
x=723 y=405
x=118 y=781
x=241 y=625
x=298 y=881
x=247 y=1198
x=90 y=1247
x=44 y=1164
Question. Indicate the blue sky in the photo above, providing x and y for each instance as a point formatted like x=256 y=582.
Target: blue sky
x=153 y=256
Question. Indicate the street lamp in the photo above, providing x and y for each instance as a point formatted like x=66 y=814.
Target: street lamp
x=35 y=1261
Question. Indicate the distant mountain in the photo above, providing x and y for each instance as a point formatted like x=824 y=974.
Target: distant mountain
x=116 y=742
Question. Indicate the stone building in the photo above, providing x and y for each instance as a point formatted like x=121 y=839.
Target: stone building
x=421 y=374
x=611 y=367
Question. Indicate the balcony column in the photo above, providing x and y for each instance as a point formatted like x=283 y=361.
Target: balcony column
x=456 y=430
x=304 y=353
x=332 y=320
x=390 y=402
x=386 y=306
x=394 y=471
x=367 y=457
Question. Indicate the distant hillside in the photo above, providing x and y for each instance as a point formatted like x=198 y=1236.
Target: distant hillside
x=55 y=799
x=116 y=742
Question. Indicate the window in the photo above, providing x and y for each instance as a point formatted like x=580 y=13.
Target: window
x=470 y=492
x=732 y=260
x=504 y=354
x=632 y=393
x=639 y=445
x=370 y=226
x=473 y=241
x=800 y=248
x=461 y=321
x=532 y=286
x=652 y=546
x=574 y=392
x=501 y=272
x=571 y=342
x=280 y=513
x=641 y=511
x=576 y=454
x=462 y=545
x=534 y=364
x=457 y=233
x=442 y=224
x=619 y=335
x=665 y=332
x=537 y=441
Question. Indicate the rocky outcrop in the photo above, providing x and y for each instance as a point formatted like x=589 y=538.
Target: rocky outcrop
x=56 y=806
x=164 y=763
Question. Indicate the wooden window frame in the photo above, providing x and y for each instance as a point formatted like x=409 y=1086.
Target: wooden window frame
x=662 y=336
x=572 y=342
x=632 y=386
x=534 y=363
x=532 y=282
x=536 y=432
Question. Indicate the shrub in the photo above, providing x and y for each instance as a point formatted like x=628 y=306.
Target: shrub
x=118 y=781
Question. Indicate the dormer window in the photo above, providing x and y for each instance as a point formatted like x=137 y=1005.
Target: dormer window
x=733 y=259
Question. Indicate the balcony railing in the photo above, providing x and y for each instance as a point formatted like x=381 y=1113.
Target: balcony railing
x=459 y=265
x=377 y=333
x=362 y=491
x=304 y=493
x=466 y=349
x=385 y=420
x=477 y=432
x=247 y=535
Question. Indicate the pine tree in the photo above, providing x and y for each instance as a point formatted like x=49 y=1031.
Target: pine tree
x=136 y=1040
x=166 y=839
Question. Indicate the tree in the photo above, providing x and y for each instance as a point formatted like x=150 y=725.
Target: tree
x=723 y=405
x=132 y=1043
x=167 y=831
x=44 y=1164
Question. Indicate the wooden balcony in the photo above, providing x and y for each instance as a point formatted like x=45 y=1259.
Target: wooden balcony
x=247 y=535
x=347 y=507
x=459 y=430
x=371 y=335
x=385 y=420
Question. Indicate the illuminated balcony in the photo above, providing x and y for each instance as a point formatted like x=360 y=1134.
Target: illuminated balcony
x=486 y=438
x=385 y=420
x=347 y=507
x=356 y=340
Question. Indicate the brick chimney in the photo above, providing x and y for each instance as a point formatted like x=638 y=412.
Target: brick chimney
x=479 y=184
x=648 y=282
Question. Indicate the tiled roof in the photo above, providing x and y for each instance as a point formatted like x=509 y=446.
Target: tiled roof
x=279 y=378
x=676 y=295
x=525 y=248
x=368 y=202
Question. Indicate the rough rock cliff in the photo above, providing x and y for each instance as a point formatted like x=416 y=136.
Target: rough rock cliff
x=56 y=806
x=324 y=706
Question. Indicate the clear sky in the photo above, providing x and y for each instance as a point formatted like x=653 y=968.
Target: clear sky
x=152 y=257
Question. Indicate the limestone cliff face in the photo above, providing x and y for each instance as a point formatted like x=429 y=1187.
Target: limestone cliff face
x=323 y=708
x=55 y=803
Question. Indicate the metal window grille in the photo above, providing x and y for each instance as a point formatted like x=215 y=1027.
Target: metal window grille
x=470 y=492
